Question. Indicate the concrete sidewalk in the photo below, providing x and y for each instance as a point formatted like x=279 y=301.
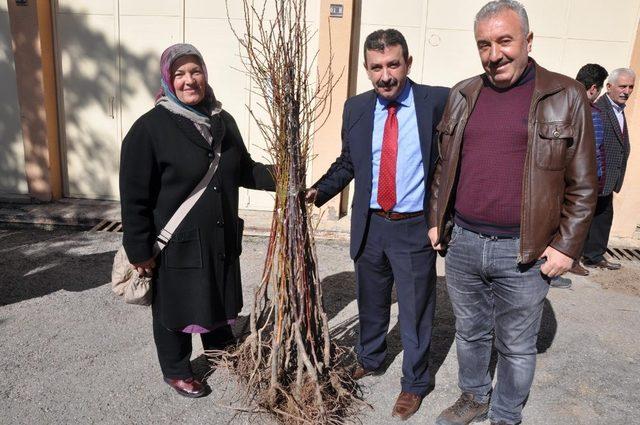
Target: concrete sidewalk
x=86 y=213
x=72 y=352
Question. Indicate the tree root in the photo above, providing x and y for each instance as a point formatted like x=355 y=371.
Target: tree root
x=341 y=397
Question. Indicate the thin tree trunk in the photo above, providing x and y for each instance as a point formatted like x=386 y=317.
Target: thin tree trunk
x=288 y=362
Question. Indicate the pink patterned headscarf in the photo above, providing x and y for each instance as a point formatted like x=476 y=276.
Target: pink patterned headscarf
x=169 y=56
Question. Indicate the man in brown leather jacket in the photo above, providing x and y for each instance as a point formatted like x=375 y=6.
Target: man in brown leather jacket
x=517 y=180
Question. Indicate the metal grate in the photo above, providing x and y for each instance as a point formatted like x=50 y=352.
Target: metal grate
x=624 y=254
x=107 y=226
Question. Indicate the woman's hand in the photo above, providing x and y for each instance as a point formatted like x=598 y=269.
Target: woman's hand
x=145 y=268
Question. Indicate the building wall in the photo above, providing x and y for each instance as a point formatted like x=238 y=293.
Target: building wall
x=567 y=35
x=626 y=222
x=106 y=58
x=13 y=179
x=109 y=71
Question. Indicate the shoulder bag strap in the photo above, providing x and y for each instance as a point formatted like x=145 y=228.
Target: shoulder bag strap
x=165 y=234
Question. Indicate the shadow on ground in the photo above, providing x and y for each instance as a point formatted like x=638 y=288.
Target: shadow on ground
x=36 y=263
x=339 y=291
x=548 y=328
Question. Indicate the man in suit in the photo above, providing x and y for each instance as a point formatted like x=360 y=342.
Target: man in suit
x=616 y=148
x=387 y=136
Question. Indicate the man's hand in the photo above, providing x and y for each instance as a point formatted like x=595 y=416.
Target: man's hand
x=310 y=195
x=145 y=269
x=557 y=263
x=433 y=236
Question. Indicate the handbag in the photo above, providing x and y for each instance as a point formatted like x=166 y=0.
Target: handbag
x=125 y=280
x=127 y=283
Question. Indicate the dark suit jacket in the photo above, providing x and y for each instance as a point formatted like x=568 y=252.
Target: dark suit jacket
x=355 y=159
x=616 y=147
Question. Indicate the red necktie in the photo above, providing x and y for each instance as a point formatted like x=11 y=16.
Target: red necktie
x=388 y=157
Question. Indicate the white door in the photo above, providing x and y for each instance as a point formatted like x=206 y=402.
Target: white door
x=88 y=56
x=146 y=28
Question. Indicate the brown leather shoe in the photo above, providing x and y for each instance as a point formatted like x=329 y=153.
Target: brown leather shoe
x=603 y=264
x=406 y=405
x=464 y=411
x=577 y=269
x=189 y=387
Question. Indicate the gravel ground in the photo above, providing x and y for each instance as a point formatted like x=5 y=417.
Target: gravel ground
x=71 y=352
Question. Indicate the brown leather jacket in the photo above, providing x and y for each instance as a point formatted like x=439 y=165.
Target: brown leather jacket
x=559 y=186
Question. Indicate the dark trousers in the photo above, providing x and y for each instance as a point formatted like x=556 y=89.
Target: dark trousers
x=174 y=347
x=598 y=238
x=397 y=251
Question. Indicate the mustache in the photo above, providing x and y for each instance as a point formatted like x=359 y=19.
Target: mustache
x=498 y=64
x=387 y=84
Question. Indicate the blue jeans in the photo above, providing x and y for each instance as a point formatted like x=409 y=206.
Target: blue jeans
x=493 y=295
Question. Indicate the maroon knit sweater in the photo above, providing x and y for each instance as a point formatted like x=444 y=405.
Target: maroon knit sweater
x=494 y=146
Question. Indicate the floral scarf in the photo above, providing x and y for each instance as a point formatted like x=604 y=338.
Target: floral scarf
x=166 y=96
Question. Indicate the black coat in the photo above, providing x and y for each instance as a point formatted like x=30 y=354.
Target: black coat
x=197 y=278
x=355 y=160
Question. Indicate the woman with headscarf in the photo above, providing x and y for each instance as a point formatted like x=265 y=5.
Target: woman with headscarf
x=196 y=278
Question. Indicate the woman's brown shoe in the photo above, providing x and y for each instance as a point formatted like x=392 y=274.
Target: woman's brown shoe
x=189 y=387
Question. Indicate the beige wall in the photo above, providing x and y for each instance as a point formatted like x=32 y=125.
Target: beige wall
x=208 y=27
x=567 y=35
x=109 y=54
x=337 y=33
x=107 y=61
x=627 y=203
x=12 y=166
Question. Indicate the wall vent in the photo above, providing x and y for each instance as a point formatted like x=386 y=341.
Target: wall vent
x=624 y=254
x=109 y=226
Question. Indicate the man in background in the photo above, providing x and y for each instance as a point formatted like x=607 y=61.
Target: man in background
x=616 y=146
x=592 y=76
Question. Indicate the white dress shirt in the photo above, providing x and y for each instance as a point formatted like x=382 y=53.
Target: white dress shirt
x=619 y=111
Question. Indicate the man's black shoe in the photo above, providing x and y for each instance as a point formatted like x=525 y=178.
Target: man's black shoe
x=603 y=264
